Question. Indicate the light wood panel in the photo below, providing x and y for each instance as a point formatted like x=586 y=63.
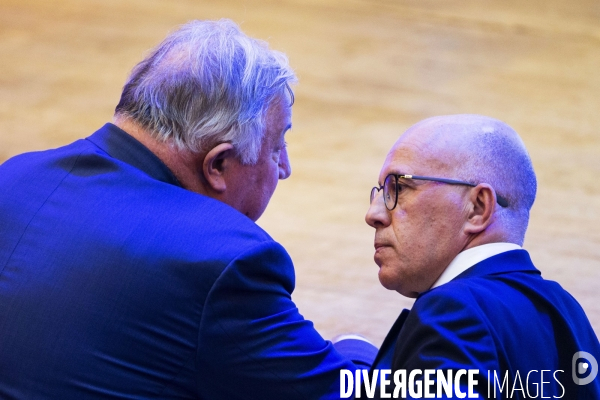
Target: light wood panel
x=368 y=70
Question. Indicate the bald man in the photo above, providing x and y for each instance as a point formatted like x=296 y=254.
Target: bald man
x=450 y=214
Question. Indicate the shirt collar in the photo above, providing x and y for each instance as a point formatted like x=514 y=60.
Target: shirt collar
x=466 y=259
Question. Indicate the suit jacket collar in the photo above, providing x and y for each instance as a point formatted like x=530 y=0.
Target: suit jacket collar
x=122 y=146
x=510 y=261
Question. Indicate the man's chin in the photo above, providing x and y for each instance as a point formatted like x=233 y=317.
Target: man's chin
x=393 y=282
x=386 y=280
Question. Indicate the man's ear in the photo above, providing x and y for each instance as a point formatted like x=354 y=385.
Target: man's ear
x=482 y=204
x=215 y=164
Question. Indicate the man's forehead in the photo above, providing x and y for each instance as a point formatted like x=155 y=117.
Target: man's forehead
x=415 y=157
x=279 y=114
x=398 y=161
x=435 y=145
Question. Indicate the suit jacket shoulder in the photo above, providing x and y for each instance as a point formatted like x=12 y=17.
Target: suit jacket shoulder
x=499 y=316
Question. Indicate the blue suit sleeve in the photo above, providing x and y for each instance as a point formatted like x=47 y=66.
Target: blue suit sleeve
x=254 y=343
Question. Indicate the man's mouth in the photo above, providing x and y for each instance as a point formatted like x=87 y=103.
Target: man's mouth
x=378 y=245
x=379 y=248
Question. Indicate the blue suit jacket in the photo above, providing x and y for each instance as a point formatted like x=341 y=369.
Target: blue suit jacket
x=115 y=282
x=499 y=316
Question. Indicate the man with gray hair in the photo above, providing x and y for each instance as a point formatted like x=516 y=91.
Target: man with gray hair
x=130 y=262
x=450 y=214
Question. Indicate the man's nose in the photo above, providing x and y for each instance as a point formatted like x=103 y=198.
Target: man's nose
x=377 y=214
x=285 y=169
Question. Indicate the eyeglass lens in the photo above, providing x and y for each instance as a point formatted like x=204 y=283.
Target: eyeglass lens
x=390 y=191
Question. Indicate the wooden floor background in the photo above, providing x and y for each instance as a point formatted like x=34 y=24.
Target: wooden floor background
x=368 y=70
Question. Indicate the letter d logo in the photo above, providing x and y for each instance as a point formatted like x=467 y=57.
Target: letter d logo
x=580 y=368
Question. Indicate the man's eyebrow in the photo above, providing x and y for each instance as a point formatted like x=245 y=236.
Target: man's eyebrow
x=395 y=173
x=399 y=176
x=385 y=176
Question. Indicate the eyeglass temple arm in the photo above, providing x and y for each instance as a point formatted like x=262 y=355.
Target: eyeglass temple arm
x=499 y=199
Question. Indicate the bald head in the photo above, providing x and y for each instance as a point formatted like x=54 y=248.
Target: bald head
x=478 y=149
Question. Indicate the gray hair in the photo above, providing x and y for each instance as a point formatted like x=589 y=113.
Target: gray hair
x=498 y=156
x=207 y=83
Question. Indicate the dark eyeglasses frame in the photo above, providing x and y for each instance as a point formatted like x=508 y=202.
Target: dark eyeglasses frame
x=502 y=202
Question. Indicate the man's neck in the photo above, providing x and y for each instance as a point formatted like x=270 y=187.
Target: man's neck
x=184 y=164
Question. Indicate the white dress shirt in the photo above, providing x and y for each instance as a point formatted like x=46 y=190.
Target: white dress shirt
x=466 y=259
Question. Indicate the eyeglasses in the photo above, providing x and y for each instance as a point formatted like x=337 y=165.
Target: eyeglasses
x=391 y=188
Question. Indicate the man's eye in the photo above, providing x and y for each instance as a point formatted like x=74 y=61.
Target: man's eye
x=279 y=148
x=394 y=186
